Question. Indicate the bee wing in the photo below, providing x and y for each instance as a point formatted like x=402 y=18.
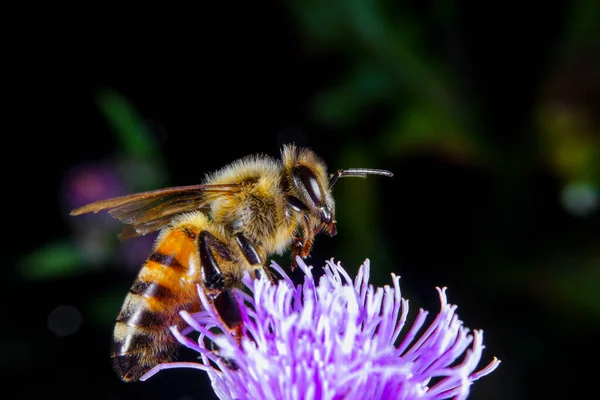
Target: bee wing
x=131 y=231
x=149 y=211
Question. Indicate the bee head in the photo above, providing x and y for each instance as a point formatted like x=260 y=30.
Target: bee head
x=309 y=188
x=306 y=182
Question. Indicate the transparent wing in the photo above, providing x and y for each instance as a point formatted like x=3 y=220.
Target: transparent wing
x=149 y=211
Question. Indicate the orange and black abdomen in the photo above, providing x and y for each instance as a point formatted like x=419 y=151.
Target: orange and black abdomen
x=165 y=285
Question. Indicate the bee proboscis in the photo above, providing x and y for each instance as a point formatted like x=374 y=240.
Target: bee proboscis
x=210 y=234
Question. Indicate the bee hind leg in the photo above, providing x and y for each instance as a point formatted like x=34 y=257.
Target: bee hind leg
x=215 y=283
x=224 y=302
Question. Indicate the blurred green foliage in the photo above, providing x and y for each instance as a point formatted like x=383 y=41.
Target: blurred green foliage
x=136 y=145
x=133 y=136
x=54 y=260
x=389 y=65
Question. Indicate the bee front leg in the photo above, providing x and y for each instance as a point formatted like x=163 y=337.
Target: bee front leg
x=296 y=251
x=213 y=281
x=303 y=245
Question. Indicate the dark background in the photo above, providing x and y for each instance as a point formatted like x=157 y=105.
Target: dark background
x=486 y=114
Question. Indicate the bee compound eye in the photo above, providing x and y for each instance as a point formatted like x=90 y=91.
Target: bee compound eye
x=311 y=184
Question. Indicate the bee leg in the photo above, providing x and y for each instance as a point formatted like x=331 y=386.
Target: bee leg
x=248 y=250
x=253 y=257
x=303 y=245
x=214 y=282
x=309 y=236
x=296 y=251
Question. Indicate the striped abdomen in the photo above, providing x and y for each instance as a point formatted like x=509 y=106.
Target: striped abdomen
x=165 y=285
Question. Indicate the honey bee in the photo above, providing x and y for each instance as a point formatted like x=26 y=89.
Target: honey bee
x=210 y=234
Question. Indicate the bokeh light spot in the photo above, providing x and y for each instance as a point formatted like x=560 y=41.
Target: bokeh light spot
x=580 y=199
x=64 y=320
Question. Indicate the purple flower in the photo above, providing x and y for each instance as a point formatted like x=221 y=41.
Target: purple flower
x=335 y=339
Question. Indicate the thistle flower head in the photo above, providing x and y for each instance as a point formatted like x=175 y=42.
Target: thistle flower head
x=333 y=339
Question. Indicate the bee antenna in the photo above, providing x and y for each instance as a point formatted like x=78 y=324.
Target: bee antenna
x=356 y=172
